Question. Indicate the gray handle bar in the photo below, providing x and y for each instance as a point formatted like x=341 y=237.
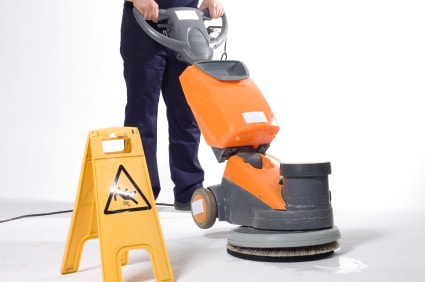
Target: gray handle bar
x=181 y=44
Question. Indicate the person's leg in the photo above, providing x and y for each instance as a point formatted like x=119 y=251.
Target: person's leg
x=143 y=69
x=184 y=135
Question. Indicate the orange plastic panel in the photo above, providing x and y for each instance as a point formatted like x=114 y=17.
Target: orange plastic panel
x=229 y=113
x=261 y=183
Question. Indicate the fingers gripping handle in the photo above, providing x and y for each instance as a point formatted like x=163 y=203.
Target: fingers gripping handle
x=155 y=35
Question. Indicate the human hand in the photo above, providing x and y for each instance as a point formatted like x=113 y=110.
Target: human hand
x=147 y=8
x=215 y=7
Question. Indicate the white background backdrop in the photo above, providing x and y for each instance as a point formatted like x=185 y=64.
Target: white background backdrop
x=345 y=79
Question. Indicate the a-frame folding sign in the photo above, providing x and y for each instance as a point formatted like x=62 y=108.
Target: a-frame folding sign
x=115 y=204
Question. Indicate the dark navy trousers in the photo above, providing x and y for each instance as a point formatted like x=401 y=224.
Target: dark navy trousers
x=149 y=70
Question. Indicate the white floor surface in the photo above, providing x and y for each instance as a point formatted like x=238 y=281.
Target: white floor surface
x=375 y=246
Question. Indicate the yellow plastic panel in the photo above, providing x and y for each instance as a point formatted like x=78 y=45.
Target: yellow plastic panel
x=115 y=203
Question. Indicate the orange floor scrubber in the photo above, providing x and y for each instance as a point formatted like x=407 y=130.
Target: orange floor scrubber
x=283 y=210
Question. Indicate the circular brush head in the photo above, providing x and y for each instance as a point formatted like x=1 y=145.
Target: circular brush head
x=273 y=245
x=292 y=254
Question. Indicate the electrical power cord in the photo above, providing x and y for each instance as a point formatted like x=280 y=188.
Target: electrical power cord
x=58 y=212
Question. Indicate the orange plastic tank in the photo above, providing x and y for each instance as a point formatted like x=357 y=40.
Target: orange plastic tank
x=229 y=108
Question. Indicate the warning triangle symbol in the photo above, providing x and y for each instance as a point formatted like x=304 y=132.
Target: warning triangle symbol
x=125 y=195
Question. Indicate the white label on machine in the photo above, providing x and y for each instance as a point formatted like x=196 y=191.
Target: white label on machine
x=187 y=15
x=253 y=117
x=197 y=207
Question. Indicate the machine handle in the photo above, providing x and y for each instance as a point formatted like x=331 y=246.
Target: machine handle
x=178 y=45
x=171 y=43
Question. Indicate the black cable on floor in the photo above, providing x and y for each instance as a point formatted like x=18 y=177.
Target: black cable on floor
x=164 y=204
x=58 y=212
x=34 y=215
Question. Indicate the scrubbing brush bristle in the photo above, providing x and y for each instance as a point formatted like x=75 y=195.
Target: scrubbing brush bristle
x=290 y=254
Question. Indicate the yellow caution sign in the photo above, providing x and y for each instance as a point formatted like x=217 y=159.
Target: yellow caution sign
x=115 y=204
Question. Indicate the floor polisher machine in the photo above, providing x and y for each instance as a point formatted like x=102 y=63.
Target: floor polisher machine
x=283 y=210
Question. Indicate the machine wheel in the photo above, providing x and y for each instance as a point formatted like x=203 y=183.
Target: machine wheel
x=204 y=208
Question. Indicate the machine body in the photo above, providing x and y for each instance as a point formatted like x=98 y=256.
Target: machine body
x=283 y=210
